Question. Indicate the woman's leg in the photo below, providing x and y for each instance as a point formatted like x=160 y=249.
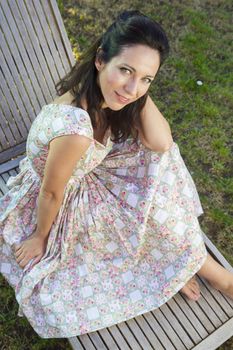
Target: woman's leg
x=217 y=276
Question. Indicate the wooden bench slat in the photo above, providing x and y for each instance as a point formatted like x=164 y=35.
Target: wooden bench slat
x=11 y=164
x=23 y=75
x=171 y=318
x=96 y=339
x=65 y=40
x=161 y=319
x=76 y=345
x=24 y=64
x=177 y=310
x=7 y=123
x=139 y=335
x=158 y=331
x=214 y=319
x=30 y=61
x=119 y=337
x=3 y=139
x=212 y=302
x=12 y=152
x=10 y=117
x=108 y=339
x=44 y=77
x=86 y=342
x=14 y=111
x=195 y=315
x=43 y=42
x=220 y=298
x=146 y=328
x=5 y=177
x=58 y=38
x=129 y=336
x=55 y=57
x=214 y=340
x=4 y=189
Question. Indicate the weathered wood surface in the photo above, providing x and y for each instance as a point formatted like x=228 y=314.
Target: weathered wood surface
x=35 y=54
x=179 y=324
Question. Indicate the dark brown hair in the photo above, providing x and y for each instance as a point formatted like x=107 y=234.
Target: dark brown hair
x=129 y=29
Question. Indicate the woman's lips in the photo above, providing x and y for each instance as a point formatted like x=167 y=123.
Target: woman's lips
x=122 y=99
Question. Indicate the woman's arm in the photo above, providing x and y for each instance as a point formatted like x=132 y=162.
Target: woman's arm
x=155 y=133
x=64 y=153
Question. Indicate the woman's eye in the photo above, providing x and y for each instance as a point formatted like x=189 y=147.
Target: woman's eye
x=125 y=69
x=148 y=80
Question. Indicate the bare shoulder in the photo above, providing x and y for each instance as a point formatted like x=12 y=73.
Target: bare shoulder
x=69 y=99
x=65 y=99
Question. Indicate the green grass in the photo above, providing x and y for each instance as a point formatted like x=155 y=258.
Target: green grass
x=200 y=116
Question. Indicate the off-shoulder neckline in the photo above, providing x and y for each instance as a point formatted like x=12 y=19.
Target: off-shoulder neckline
x=65 y=105
x=107 y=140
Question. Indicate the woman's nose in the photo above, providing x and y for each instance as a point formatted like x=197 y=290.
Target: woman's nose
x=131 y=87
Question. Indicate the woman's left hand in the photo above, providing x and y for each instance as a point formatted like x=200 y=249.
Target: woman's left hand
x=32 y=248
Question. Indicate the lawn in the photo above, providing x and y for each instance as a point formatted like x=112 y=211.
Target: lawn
x=200 y=116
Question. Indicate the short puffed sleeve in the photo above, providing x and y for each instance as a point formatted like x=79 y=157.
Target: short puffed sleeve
x=66 y=120
x=53 y=121
x=56 y=120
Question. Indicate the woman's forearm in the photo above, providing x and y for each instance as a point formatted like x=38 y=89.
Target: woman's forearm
x=48 y=207
x=155 y=129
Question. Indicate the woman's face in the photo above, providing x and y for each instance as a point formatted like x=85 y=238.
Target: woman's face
x=127 y=77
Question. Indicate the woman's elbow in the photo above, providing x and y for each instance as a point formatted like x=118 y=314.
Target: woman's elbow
x=167 y=146
x=51 y=194
x=162 y=146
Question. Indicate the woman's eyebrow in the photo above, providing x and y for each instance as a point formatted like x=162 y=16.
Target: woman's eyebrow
x=125 y=64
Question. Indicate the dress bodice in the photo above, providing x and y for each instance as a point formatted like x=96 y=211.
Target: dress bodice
x=56 y=120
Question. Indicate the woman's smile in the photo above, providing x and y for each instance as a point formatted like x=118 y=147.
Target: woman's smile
x=121 y=98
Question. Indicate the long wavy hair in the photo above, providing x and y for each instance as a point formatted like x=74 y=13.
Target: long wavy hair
x=129 y=29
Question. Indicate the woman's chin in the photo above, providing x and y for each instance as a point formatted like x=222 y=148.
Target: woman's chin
x=113 y=107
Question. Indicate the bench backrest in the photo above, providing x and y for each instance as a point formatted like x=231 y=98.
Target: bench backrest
x=35 y=54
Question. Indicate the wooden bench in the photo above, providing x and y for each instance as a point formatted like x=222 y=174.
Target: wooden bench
x=35 y=36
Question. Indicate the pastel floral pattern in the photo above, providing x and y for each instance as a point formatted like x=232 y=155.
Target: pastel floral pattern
x=125 y=240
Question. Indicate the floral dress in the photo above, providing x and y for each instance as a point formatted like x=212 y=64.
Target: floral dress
x=125 y=240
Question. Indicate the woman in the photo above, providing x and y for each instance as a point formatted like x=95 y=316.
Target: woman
x=101 y=223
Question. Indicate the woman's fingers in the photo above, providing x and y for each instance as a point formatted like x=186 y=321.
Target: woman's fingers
x=32 y=248
x=18 y=253
x=17 y=247
x=36 y=260
x=20 y=257
x=24 y=261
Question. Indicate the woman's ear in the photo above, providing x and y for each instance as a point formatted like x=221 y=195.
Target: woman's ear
x=98 y=59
